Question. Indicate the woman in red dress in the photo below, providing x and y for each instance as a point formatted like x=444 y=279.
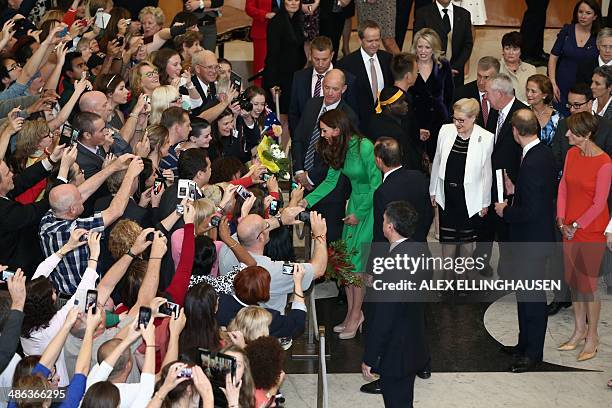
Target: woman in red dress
x=582 y=216
x=261 y=11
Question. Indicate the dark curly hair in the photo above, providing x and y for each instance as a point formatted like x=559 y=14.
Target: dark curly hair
x=267 y=358
x=224 y=168
x=334 y=153
x=39 y=306
x=201 y=329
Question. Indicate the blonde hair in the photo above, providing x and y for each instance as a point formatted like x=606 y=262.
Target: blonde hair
x=156 y=12
x=204 y=208
x=469 y=106
x=30 y=135
x=122 y=237
x=432 y=38
x=136 y=77
x=252 y=321
x=158 y=135
x=160 y=101
x=214 y=192
x=54 y=14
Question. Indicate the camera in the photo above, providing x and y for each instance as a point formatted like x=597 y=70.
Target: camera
x=185 y=372
x=151 y=236
x=215 y=221
x=6 y=275
x=244 y=102
x=304 y=216
x=288 y=269
x=180 y=209
x=170 y=309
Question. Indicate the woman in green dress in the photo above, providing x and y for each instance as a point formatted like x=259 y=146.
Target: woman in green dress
x=346 y=151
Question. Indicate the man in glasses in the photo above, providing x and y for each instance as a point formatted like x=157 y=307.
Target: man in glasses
x=604 y=45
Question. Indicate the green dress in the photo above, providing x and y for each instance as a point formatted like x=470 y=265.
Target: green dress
x=360 y=168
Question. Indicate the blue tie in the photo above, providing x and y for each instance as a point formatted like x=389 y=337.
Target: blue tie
x=309 y=160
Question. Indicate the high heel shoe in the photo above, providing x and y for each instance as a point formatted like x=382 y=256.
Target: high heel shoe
x=349 y=335
x=569 y=346
x=339 y=328
x=583 y=356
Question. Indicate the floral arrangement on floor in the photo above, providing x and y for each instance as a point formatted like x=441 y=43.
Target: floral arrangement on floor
x=339 y=264
x=273 y=158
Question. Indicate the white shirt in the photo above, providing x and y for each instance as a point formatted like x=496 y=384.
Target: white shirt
x=600 y=112
x=389 y=172
x=450 y=12
x=488 y=103
x=529 y=145
x=329 y=107
x=204 y=86
x=504 y=113
x=396 y=243
x=379 y=75
x=315 y=78
x=602 y=63
x=132 y=395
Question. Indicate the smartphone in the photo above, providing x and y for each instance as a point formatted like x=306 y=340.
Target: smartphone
x=6 y=274
x=183 y=189
x=91 y=300
x=18 y=23
x=215 y=221
x=217 y=365
x=266 y=176
x=243 y=192
x=236 y=80
x=304 y=216
x=288 y=269
x=180 y=209
x=170 y=309
x=151 y=236
x=273 y=207
x=69 y=135
x=120 y=41
x=157 y=185
x=144 y=315
x=192 y=191
x=294 y=185
x=128 y=21
x=185 y=372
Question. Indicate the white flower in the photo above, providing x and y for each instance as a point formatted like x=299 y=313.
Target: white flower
x=276 y=152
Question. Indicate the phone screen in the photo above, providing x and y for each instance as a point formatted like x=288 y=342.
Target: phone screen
x=91 y=300
x=144 y=315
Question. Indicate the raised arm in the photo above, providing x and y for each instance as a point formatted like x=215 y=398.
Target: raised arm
x=120 y=201
x=14 y=319
x=54 y=348
x=84 y=358
x=319 y=254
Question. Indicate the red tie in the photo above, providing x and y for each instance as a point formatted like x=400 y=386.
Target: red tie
x=485 y=109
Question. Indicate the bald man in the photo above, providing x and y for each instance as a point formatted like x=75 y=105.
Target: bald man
x=310 y=174
x=254 y=233
x=66 y=202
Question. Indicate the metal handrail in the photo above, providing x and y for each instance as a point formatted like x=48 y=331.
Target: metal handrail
x=322 y=387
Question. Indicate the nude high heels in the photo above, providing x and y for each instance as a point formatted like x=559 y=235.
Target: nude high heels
x=339 y=328
x=349 y=335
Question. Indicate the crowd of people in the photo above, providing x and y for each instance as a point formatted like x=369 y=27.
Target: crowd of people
x=146 y=243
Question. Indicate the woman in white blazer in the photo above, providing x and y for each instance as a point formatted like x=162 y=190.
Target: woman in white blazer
x=461 y=177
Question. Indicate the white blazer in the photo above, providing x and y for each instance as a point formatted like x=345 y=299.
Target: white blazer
x=478 y=177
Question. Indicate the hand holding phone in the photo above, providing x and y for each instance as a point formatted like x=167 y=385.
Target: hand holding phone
x=91 y=300
x=144 y=315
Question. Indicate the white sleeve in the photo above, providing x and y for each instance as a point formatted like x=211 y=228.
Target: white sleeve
x=98 y=373
x=145 y=392
x=88 y=281
x=47 y=266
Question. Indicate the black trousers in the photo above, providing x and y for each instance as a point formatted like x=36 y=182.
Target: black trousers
x=533 y=319
x=398 y=392
x=492 y=228
x=402 y=15
x=532 y=28
x=331 y=25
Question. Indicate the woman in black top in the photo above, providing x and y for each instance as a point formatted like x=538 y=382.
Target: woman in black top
x=233 y=137
x=285 y=56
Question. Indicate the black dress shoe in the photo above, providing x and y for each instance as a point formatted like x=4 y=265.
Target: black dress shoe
x=371 y=388
x=523 y=364
x=424 y=374
x=554 y=307
x=513 y=351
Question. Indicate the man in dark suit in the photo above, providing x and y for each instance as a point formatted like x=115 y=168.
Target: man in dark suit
x=331 y=22
x=309 y=168
x=585 y=69
x=445 y=18
x=506 y=155
x=487 y=67
x=531 y=219
x=532 y=27
x=402 y=16
x=370 y=65
x=395 y=341
x=308 y=82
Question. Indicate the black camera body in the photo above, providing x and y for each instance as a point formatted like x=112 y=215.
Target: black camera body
x=244 y=102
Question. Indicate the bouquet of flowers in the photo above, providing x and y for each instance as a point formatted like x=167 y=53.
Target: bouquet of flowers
x=272 y=126
x=339 y=264
x=272 y=156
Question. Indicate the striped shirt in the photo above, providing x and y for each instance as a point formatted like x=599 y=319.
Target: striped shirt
x=54 y=233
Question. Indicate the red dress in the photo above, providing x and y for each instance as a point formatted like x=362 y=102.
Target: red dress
x=257 y=10
x=582 y=197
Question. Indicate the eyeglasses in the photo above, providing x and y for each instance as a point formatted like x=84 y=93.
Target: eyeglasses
x=576 y=105
x=456 y=120
x=606 y=47
x=216 y=68
x=13 y=67
x=264 y=230
x=151 y=74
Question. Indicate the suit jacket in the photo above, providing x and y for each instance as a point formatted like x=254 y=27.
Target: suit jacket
x=89 y=162
x=19 y=245
x=560 y=143
x=301 y=92
x=301 y=138
x=584 y=72
x=208 y=101
x=532 y=213
x=353 y=63
x=470 y=90
x=168 y=203
x=477 y=179
x=404 y=185
x=395 y=341
x=429 y=16
x=506 y=152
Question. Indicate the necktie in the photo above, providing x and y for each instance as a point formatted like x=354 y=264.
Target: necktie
x=500 y=123
x=309 y=160
x=446 y=22
x=317 y=88
x=485 y=110
x=374 y=79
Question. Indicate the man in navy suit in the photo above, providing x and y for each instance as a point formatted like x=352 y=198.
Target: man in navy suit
x=308 y=82
x=530 y=216
x=371 y=66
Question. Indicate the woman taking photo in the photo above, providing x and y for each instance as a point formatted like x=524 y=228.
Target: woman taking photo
x=261 y=114
x=461 y=178
x=602 y=91
x=432 y=92
x=168 y=62
x=233 y=137
x=285 y=52
x=575 y=42
x=539 y=91
x=348 y=153
x=582 y=217
x=113 y=86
